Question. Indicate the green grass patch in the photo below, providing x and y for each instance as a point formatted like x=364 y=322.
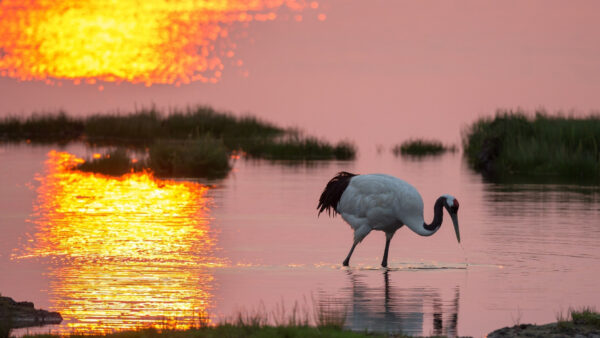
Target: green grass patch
x=577 y=319
x=202 y=157
x=420 y=147
x=115 y=163
x=170 y=135
x=45 y=127
x=513 y=144
x=328 y=321
x=299 y=148
x=586 y=316
x=229 y=330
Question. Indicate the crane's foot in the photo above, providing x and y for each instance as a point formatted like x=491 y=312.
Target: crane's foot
x=346 y=262
x=384 y=264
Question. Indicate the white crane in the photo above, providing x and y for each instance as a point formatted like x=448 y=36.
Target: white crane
x=382 y=202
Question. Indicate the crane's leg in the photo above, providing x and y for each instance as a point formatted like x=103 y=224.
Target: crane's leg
x=359 y=234
x=388 y=238
x=347 y=260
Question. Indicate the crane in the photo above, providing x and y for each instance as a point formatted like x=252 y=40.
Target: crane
x=382 y=202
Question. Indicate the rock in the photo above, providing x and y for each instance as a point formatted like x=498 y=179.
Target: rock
x=24 y=314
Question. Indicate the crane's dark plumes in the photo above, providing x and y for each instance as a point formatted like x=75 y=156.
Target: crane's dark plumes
x=333 y=192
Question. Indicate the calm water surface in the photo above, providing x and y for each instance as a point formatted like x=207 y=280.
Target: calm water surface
x=122 y=253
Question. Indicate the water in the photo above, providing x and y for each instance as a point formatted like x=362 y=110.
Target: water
x=114 y=254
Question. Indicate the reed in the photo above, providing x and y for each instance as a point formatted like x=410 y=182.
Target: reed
x=421 y=147
x=586 y=316
x=140 y=126
x=299 y=148
x=148 y=126
x=513 y=144
x=256 y=323
x=115 y=163
x=229 y=330
x=44 y=127
x=204 y=120
x=202 y=157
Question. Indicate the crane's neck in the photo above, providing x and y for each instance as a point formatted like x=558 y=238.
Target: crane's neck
x=438 y=216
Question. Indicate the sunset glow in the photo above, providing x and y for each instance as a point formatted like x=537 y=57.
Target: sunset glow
x=155 y=41
x=127 y=252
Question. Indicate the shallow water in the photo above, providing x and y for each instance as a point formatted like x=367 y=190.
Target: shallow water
x=114 y=254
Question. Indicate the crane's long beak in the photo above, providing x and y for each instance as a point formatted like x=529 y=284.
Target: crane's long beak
x=455 y=222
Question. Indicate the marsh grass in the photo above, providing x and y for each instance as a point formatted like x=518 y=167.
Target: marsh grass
x=258 y=322
x=229 y=331
x=585 y=316
x=421 y=147
x=43 y=127
x=202 y=157
x=148 y=125
x=145 y=127
x=138 y=127
x=330 y=312
x=300 y=148
x=115 y=163
x=513 y=144
x=6 y=324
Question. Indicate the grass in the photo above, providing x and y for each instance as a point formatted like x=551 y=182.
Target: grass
x=328 y=319
x=148 y=125
x=5 y=323
x=586 y=316
x=202 y=157
x=513 y=144
x=231 y=330
x=420 y=147
x=194 y=141
x=114 y=163
x=300 y=148
x=46 y=127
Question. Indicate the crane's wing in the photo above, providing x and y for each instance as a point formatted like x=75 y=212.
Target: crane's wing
x=381 y=201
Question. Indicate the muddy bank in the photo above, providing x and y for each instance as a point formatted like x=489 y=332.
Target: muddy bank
x=552 y=330
x=24 y=314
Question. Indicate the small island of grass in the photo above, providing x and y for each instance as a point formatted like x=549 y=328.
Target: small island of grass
x=194 y=142
x=515 y=145
x=420 y=147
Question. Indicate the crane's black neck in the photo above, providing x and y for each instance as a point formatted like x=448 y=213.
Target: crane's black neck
x=438 y=215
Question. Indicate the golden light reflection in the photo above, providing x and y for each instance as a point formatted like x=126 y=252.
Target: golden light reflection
x=140 y=41
x=125 y=253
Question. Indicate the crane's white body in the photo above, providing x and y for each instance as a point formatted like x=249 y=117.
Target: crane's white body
x=381 y=202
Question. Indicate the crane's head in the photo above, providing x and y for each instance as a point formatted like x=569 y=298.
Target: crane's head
x=451 y=206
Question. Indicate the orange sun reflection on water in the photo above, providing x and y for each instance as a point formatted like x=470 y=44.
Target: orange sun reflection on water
x=149 y=41
x=126 y=253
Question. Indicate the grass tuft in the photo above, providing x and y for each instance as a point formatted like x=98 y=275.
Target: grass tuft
x=513 y=144
x=45 y=127
x=586 y=316
x=202 y=157
x=420 y=147
x=114 y=163
x=299 y=148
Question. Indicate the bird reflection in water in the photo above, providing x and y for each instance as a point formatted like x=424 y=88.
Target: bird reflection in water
x=398 y=310
x=124 y=252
